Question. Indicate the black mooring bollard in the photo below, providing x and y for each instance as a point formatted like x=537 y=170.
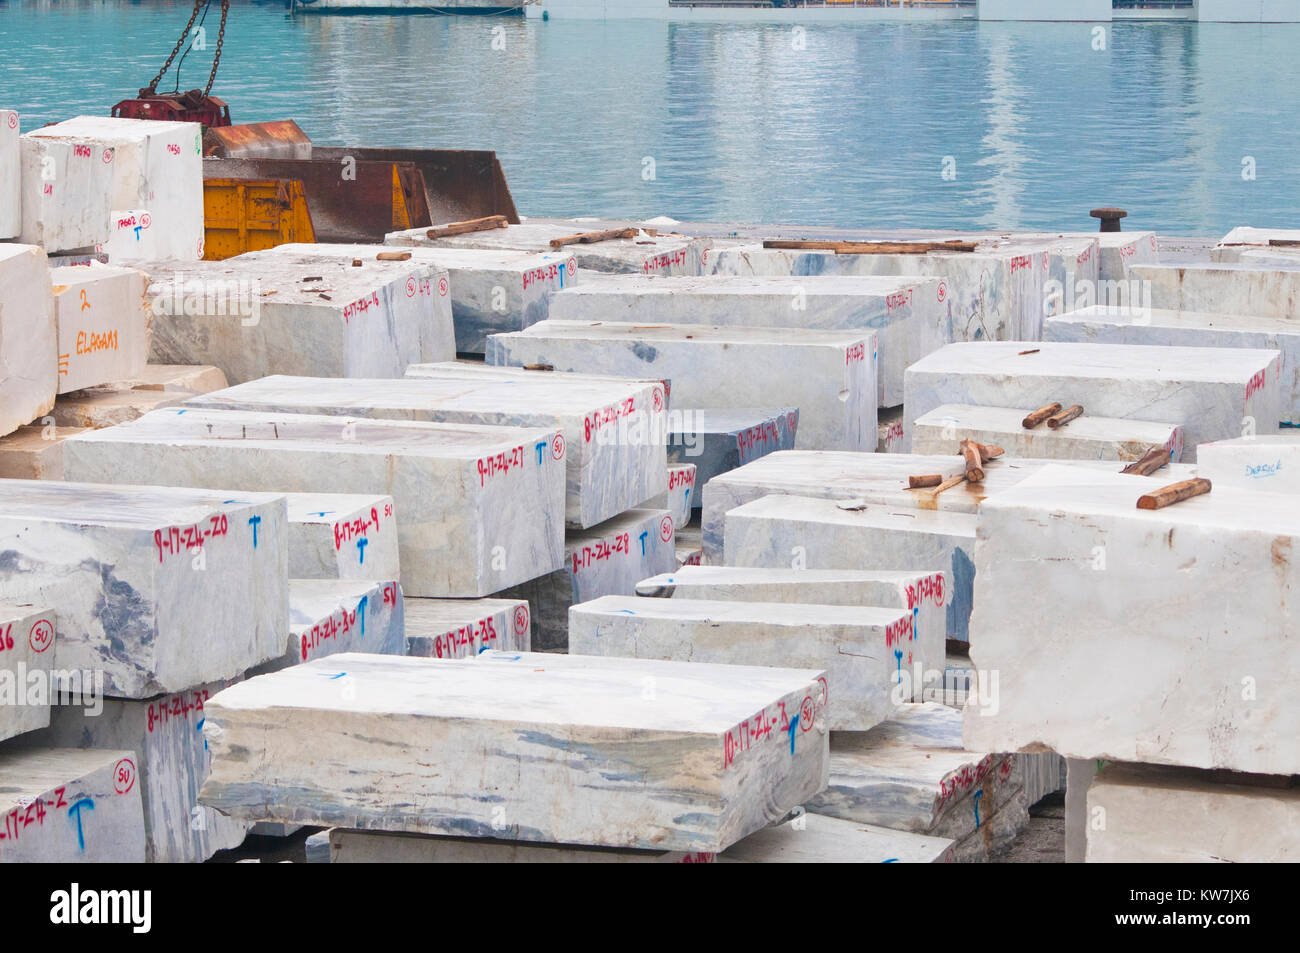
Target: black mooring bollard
x=1109 y=218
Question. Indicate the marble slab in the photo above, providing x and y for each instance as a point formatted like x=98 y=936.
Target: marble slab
x=606 y=560
x=1153 y=326
x=544 y=736
x=29 y=369
x=299 y=314
x=613 y=433
x=1248 y=288
x=481 y=507
x=342 y=536
x=64 y=806
x=27 y=635
x=1270 y=462
x=1245 y=239
x=861 y=648
x=817 y=839
x=679 y=500
x=331 y=616
x=799 y=532
x=1068 y=556
x=906 y=314
x=490 y=290
x=942 y=430
x=11 y=196
x=34 y=452
x=828 y=375
x=1211 y=392
x=118 y=402
x=461 y=628
x=382 y=847
x=157 y=588
x=103 y=324
x=718 y=440
x=1150 y=814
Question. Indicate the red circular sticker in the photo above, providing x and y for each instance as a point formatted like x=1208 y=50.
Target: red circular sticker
x=41 y=636
x=13 y=120
x=411 y=287
x=666 y=528
x=124 y=776
x=557 y=447
x=442 y=287
x=145 y=219
x=573 y=266
x=807 y=713
x=657 y=398
x=107 y=156
x=521 y=620
x=943 y=291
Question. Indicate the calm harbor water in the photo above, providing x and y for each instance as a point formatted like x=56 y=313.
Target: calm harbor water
x=852 y=130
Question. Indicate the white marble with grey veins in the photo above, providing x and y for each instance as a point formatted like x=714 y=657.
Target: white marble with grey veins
x=562 y=749
x=614 y=432
x=158 y=588
x=606 y=560
x=480 y=508
x=342 y=536
x=29 y=361
x=70 y=807
x=383 y=847
x=680 y=498
x=905 y=313
x=460 y=628
x=717 y=440
x=1202 y=680
x=1269 y=291
x=1212 y=392
x=103 y=325
x=329 y=616
x=830 y=376
x=27 y=635
x=299 y=314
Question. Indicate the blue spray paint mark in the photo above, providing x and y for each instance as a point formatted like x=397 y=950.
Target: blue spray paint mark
x=321 y=513
x=688 y=497
x=624 y=612
x=361 y=613
x=75 y=811
x=898 y=658
x=541 y=445
x=978 y=795
x=335 y=677
x=892 y=860
x=562 y=264
x=199 y=728
x=643 y=536
x=794 y=723
x=361 y=550
x=253 y=521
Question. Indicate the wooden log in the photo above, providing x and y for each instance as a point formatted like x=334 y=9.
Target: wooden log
x=393 y=256
x=870 y=248
x=1039 y=415
x=974 y=469
x=1149 y=462
x=925 y=480
x=1064 y=417
x=989 y=451
x=948 y=484
x=1174 y=493
x=589 y=238
x=471 y=225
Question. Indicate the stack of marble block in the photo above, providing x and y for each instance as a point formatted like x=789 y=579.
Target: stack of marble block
x=132 y=188
x=754 y=741
x=1190 y=707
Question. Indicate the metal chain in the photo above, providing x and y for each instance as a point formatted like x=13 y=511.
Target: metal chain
x=198 y=5
x=221 y=36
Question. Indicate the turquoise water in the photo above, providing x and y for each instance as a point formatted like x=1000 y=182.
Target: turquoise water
x=851 y=131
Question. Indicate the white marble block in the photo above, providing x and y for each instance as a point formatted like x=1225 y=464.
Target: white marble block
x=1154 y=326
x=481 y=508
x=1243 y=239
x=490 y=290
x=149 y=170
x=906 y=314
x=27 y=636
x=157 y=588
x=817 y=839
x=103 y=325
x=1123 y=251
x=782 y=531
x=363 y=742
x=1269 y=462
x=614 y=432
x=995 y=293
x=1149 y=814
x=912 y=774
x=830 y=376
x=11 y=195
x=256 y=315
x=922 y=594
x=342 y=536
x=65 y=806
x=170 y=760
x=717 y=440
x=1111 y=670
x=606 y=560
x=330 y=616
x=157 y=386
x=889 y=427
x=942 y=430
x=1212 y=392
x=371 y=847
x=1268 y=291
x=681 y=497
x=663 y=254
x=862 y=648
x=34 y=452
x=460 y=628
x=29 y=369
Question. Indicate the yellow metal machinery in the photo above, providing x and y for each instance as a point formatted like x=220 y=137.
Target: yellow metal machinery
x=252 y=214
